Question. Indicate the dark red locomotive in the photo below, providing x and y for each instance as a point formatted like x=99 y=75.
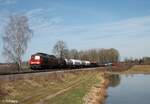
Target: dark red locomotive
x=42 y=60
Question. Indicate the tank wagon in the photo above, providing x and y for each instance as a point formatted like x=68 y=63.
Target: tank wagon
x=45 y=61
x=86 y=63
x=75 y=63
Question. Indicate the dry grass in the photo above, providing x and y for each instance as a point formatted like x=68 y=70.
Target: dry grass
x=118 y=68
x=139 y=69
x=34 y=88
x=6 y=68
x=11 y=68
x=98 y=92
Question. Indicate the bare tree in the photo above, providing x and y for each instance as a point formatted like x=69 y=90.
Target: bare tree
x=66 y=53
x=16 y=38
x=83 y=55
x=60 y=48
x=100 y=55
x=74 y=54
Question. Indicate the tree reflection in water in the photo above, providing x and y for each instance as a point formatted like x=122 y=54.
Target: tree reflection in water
x=114 y=80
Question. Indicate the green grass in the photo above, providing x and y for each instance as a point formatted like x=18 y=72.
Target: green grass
x=76 y=94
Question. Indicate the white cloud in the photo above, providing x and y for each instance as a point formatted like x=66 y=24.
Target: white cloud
x=43 y=20
x=129 y=36
x=6 y=2
x=47 y=21
x=40 y=20
x=42 y=17
x=133 y=27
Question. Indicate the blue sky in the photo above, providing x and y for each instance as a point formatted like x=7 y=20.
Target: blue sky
x=84 y=24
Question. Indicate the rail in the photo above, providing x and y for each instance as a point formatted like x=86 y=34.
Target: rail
x=45 y=70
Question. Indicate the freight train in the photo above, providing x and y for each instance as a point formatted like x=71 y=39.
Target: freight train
x=45 y=61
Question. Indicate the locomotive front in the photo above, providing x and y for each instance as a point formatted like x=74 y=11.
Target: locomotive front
x=35 y=62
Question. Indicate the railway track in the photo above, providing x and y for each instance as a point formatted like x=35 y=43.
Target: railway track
x=46 y=70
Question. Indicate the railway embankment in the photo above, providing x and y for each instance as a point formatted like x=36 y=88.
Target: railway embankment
x=68 y=87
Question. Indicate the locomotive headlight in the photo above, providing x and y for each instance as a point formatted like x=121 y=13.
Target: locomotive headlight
x=37 y=57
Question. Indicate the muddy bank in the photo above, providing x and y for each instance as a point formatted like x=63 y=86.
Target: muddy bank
x=98 y=93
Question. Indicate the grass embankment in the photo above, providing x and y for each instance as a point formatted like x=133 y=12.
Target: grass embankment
x=98 y=93
x=139 y=69
x=52 y=88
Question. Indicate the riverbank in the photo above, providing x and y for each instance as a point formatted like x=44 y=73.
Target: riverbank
x=98 y=93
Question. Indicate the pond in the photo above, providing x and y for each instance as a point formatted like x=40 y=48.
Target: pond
x=131 y=89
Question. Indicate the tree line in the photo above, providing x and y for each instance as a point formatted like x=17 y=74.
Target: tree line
x=101 y=56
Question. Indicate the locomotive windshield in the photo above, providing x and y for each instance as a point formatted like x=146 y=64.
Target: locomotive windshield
x=37 y=57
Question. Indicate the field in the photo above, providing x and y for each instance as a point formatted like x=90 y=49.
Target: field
x=141 y=69
x=53 y=88
x=11 y=68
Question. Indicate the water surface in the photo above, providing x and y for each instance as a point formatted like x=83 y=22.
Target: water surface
x=133 y=89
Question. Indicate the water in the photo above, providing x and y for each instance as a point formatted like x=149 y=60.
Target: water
x=133 y=89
